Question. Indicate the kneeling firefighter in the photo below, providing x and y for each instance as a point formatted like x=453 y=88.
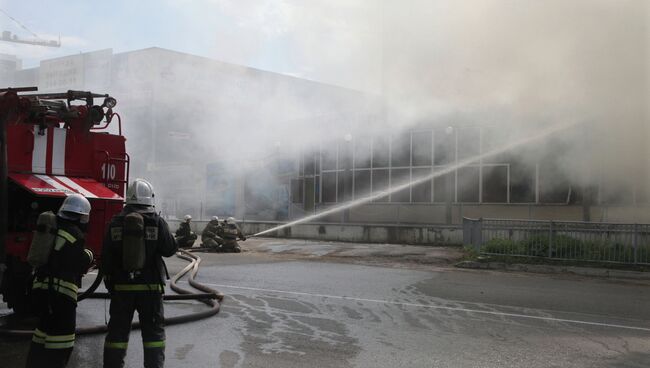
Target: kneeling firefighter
x=231 y=232
x=60 y=258
x=211 y=235
x=135 y=276
x=185 y=237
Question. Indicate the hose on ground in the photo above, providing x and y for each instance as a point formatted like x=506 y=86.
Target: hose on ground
x=88 y=292
x=205 y=250
x=210 y=297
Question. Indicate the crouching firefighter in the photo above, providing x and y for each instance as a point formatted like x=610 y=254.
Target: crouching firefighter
x=231 y=232
x=211 y=235
x=58 y=254
x=135 y=276
x=185 y=237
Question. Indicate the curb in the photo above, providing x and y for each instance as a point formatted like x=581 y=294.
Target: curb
x=549 y=269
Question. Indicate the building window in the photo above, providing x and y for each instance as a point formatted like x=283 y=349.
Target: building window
x=380 y=150
x=444 y=147
x=401 y=150
x=380 y=183
x=310 y=194
x=522 y=182
x=553 y=185
x=491 y=139
x=316 y=164
x=373 y=165
x=329 y=187
x=328 y=158
x=468 y=184
x=362 y=153
x=421 y=193
x=469 y=143
x=296 y=191
x=310 y=168
x=361 y=183
x=443 y=186
x=495 y=184
x=422 y=149
x=398 y=177
x=344 y=186
x=345 y=155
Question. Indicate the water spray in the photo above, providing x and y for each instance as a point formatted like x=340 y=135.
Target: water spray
x=542 y=134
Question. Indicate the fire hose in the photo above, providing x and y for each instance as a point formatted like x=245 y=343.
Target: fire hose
x=209 y=296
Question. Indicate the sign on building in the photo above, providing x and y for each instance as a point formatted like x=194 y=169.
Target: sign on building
x=80 y=72
x=61 y=74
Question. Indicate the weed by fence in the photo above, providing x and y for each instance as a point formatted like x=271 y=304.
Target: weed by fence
x=579 y=241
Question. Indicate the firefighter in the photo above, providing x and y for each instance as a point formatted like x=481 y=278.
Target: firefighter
x=231 y=232
x=55 y=285
x=135 y=276
x=185 y=237
x=211 y=235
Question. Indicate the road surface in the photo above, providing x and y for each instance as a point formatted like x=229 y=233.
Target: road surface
x=282 y=311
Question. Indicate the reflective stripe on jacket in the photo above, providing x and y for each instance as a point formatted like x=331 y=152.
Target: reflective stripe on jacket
x=68 y=261
x=68 y=289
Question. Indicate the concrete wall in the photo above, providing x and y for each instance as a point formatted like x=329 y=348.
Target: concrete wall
x=358 y=233
x=425 y=223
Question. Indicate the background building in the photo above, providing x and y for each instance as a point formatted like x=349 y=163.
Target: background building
x=223 y=139
x=531 y=182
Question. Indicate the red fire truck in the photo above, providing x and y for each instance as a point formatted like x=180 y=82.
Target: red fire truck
x=53 y=145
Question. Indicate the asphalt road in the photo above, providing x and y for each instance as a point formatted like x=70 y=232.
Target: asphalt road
x=282 y=312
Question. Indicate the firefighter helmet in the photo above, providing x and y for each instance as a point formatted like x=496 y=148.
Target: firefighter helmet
x=230 y=220
x=75 y=207
x=140 y=192
x=187 y=217
x=215 y=218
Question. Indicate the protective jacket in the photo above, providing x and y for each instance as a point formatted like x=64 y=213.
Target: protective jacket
x=232 y=232
x=54 y=293
x=184 y=230
x=158 y=242
x=213 y=230
x=69 y=260
x=139 y=290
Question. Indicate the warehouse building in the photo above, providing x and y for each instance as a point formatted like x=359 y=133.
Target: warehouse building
x=183 y=114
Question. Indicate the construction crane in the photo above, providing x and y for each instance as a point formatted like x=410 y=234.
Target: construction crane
x=9 y=37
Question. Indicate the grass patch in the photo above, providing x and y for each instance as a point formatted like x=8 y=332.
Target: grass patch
x=566 y=247
x=471 y=255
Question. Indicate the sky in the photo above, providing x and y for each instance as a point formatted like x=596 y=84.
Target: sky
x=261 y=34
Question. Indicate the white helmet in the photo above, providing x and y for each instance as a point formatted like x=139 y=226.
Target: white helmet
x=140 y=192
x=75 y=207
x=230 y=220
x=187 y=217
x=215 y=218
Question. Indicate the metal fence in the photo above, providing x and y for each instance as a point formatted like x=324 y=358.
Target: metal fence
x=578 y=241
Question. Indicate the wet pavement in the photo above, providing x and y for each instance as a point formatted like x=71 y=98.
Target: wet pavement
x=299 y=308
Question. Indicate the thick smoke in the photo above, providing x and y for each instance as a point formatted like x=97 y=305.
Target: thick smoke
x=517 y=66
x=522 y=65
x=514 y=66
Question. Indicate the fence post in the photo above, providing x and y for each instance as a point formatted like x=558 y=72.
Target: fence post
x=635 y=241
x=479 y=232
x=550 y=239
x=467 y=232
